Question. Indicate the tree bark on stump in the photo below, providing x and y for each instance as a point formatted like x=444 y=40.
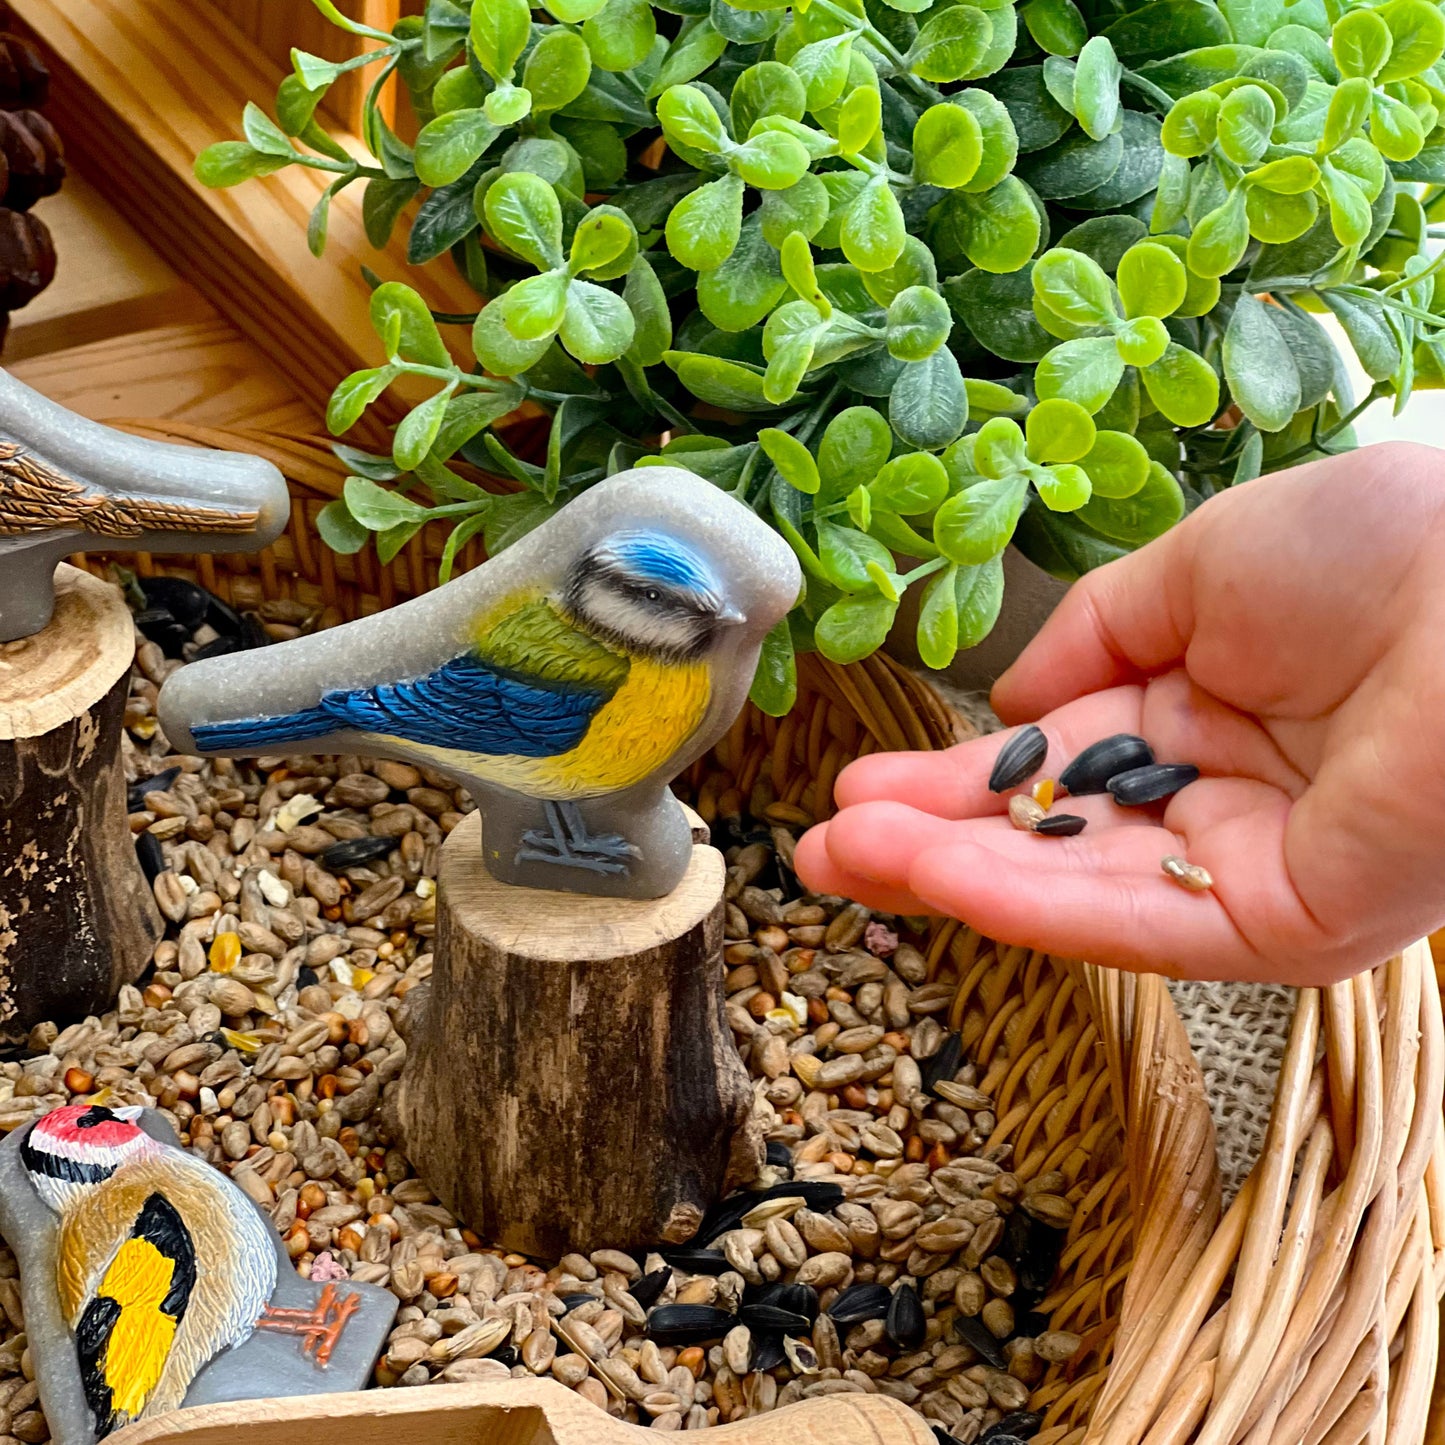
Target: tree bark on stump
x=77 y=919
x=571 y=1081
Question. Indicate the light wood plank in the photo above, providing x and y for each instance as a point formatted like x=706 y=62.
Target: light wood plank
x=205 y=373
x=108 y=281
x=138 y=96
x=278 y=25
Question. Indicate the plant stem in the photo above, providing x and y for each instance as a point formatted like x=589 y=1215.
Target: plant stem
x=1320 y=440
x=1162 y=100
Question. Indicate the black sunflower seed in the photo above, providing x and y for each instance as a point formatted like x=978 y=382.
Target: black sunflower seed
x=1091 y=770
x=905 y=1321
x=1016 y=1425
x=768 y=1350
x=355 y=851
x=1034 y=1250
x=779 y=1155
x=647 y=1289
x=770 y=1317
x=218 y=647
x=728 y=1213
x=157 y=625
x=507 y=1354
x=571 y=1302
x=1060 y=825
x=942 y=1064
x=186 y=602
x=972 y=1331
x=797 y=1299
x=860 y=1302
x=135 y=793
x=152 y=856
x=688 y=1324
x=1149 y=784
x=306 y=976
x=695 y=1260
x=1020 y=758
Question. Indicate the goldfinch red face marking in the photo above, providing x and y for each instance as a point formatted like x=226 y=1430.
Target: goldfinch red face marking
x=81 y=1145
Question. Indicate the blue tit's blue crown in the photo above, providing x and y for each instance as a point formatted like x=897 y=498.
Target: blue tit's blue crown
x=657 y=559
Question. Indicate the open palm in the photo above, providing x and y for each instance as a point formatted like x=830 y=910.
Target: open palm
x=1289 y=639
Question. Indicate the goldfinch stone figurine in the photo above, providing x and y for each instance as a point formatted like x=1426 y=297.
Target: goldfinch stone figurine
x=151 y=1282
x=71 y=485
x=565 y=683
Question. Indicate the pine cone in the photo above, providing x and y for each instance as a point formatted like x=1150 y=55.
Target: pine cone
x=24 y=78
x=35 y=156
x=27 y=258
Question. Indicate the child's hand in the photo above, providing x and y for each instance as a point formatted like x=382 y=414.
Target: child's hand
x=1289 y=639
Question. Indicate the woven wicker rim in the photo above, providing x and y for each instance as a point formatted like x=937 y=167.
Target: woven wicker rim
x=1328 y=1331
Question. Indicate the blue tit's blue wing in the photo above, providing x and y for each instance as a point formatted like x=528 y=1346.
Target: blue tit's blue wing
x=465 y=705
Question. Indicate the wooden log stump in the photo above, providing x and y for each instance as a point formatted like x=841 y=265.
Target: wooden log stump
x=571 y=1081
x=77 y=919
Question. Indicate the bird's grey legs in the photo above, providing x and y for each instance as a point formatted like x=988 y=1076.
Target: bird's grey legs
x=566 y=841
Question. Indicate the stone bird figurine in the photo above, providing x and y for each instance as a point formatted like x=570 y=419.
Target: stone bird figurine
x=71 y=485
x=148 y=1279
x=574 y=675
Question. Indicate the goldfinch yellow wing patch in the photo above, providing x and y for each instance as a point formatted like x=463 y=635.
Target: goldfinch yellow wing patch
x=125 y=1334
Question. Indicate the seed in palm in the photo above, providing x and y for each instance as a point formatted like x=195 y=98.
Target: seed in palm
x=1091 y=770
x=1187 y=875
x=1020 y=758
x=1060 y=825
x=1151 y=784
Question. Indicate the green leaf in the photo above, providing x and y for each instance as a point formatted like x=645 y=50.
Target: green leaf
x=719 y=381
x=938 y=620
x=947 y=146
x=741 y=292
x=499 y=33
x=768 y=88
x=381 y=205
x=652 y=319
x=1141 y=342
x=694 y=50
x=1192 y=123
x=1117 y=464
x=998 y=310
x=264 y=134
x=1360 y=43
x=1056 y=26
x=999 y=449
x=355 y=394
x=1350 y=216
x=1287 y=176
x=1394 y=127
x=420 y=339
x=1246 y=118
x=418 y=430
x=599 y=240
x=339 y=529
x=910 y=485
x=469 y=414
x=597 y=326
x=523 y=213
x=448 y=147
x=854 y=627
x=1086 y=371
x=533 y=309
x=976 y=525
x=1152 y=280
x=1259 y=367
x=802 y=208
x=1220 y=239
x=873 y=230
x=1038 y=119
x=998 y=230
x=1183 y=386
x=501 y=353
x=1096 y=88
x=859 y=118
x=979 y=593
x=775 y=683
x=1349 y=109
x=951 y=45
x=690 y=120
x=1167 y=28
x=704 y=225
x=1417 y=33
x=928 y=407
x=822 y=66
x=229 y=162
x=621 y=34
x=846 y=554
x=1363 y=322
x=771 y=160
x=1059 y=431
x=918 y=323
x=854 y=448
x=376 y=509
x=1074 y=288
x=793 y=460
x=1073 y=166
x=1063 y=487
x=557 y=70
x=1148 y=513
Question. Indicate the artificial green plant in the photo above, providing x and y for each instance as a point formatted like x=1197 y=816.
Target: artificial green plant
x=914 y=279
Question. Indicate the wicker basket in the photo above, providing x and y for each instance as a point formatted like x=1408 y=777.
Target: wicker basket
x=1308 y=1312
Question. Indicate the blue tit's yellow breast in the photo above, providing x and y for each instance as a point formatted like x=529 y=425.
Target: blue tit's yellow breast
x=655 y=711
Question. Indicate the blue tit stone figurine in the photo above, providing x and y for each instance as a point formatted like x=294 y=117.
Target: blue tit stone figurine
x=151 y=1282
x=564 y=683
x=71 y=485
